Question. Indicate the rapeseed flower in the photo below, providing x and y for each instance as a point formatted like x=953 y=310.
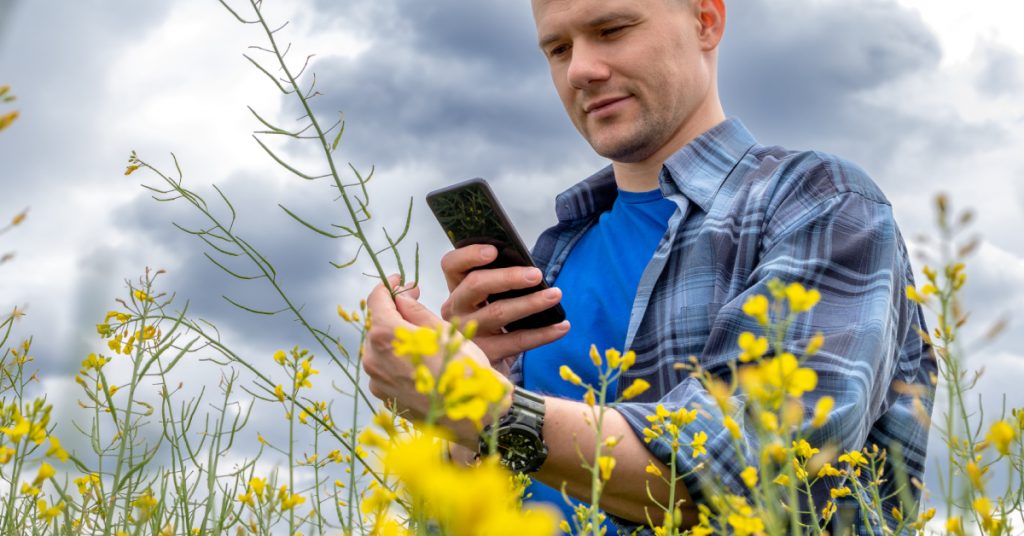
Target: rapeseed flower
x=800 y=299
x=699 y=439
x=757 y=307
x=416 y=344
x=606 y=464
x=635 y=389
x=568 y=375
x=1001 y=434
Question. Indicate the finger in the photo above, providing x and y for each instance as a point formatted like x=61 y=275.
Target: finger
x=415 y=312
x=478 y=285
x=457 y=263
x=510 y=344
x=498 y=314
x=411 y=290
x=379 y=301
x=385 y=314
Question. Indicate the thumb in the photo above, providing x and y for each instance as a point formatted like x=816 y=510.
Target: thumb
x=415 y=312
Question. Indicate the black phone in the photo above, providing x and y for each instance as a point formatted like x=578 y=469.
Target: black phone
x=469 y=213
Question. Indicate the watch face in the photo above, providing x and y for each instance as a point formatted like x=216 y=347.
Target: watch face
x=521 y=450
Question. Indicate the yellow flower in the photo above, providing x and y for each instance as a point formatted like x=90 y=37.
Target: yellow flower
x=45 y=512
x=142 y=296
x=628 y=360
x=289 y=501
x=782 y=480
x=854 y=458
x=8 y=118
x=821 y=411
x=786 y=373
x=595 y=357
x=344 y=314
x=749 y=476
x=589 y=398
x=279 y=392
x=424 y=380
x=953 y=526
x=828 y=470
x=415 y=344
x=840 y=492
x=56 y=450
x=652 y=469
x=757 y=307
x=280 y=356
x=1001 y=435
x=46 y=471
x=800 y=299
x=635 y=389
x=683 y=416
x=469 y=390
x=753 y=347
x=744 y=522
x=803 y=449
x=568 y=375
x=606 y=464
x=828 y=510
x=699 y=439
x=21 y=428
x=246 y=498
x=815 y=344
x=721 y=392
x=976 y=473
x=372 y=439
x=6 y=454
x=732 y=426
x=29 y=489
x=769 y=421
x=258 y=486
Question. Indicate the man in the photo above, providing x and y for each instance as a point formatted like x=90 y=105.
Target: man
x=658 y=252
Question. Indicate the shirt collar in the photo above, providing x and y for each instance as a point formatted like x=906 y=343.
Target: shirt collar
x=696 y=171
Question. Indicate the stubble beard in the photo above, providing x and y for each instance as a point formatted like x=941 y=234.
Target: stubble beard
x=643 y=140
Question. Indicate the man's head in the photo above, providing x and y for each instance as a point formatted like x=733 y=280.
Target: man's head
x=637 y=77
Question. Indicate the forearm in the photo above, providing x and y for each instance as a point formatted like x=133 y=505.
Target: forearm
x=567 y=434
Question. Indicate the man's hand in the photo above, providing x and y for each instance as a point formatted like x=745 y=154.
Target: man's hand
x=391 y=376
x=468 y=301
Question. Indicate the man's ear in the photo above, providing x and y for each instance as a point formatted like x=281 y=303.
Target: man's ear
x=711 y=15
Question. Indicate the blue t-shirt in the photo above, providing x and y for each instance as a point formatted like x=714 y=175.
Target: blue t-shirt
x=598 y=282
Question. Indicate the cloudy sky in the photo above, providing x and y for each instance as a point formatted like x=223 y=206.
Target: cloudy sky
x=928 y=96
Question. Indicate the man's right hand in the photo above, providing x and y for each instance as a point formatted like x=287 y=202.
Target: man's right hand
x=468 y=301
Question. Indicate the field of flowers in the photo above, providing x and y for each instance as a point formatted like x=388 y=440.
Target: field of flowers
x=160 y=460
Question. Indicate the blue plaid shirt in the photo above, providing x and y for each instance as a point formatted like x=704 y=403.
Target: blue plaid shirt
x=747 y=214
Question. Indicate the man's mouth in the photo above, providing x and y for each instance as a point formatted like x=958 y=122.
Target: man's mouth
x=603 y=104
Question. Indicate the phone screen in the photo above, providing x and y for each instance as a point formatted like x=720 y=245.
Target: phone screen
x=469 y=213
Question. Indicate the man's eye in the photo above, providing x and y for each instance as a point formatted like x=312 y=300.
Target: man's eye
x=558 y=51
x=612 y=31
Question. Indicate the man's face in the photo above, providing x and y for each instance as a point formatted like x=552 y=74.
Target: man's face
x=631 y=73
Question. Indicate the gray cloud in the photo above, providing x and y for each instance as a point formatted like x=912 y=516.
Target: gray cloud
x=1001 y=70
x=796 y=72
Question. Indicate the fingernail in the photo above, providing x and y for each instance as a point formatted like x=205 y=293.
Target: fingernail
x=533 y=275
x=488 y=252
x=562 y=326
x=552 y=294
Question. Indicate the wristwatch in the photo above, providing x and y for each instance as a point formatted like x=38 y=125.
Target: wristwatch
x=520 y=441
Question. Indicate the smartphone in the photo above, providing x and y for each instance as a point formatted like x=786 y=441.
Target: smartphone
x=469 y=213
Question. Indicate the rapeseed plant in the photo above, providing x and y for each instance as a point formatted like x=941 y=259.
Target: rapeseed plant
x=156 y=464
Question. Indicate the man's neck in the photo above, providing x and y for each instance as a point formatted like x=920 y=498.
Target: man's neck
x=642 y=176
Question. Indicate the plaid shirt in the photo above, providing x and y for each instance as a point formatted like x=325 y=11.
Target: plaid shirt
x=747 y=214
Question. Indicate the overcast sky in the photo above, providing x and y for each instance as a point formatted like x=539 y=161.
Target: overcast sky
x=927 y=96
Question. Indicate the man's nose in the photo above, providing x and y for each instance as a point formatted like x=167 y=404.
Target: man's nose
x=587 y=66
